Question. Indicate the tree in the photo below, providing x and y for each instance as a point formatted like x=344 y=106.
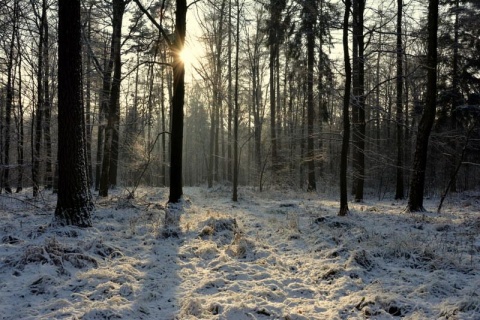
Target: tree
x=254 y=45
x=40 y=100
x=310 y=18
x=399 y=191
x=176 y=145
x=109 y=164
x=417 y=185
x=346 y=117
x=9 y=96
x=19 y=124
x=176 y=135
x=358 y=103
x=236 y=109
x=74 y=202
x=274 y=38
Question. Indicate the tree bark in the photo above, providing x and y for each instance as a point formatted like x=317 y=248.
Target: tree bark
x=399 y=190
x=104 y=107
x=417 y=184
x=110 y=151
x=19 y=124
x=358 y=105
x=74 y=202
x=176 y=144
x=9 y=100
x=275 y=8
x=88 y=104
x=229 y=96
x=310 y=14
x=40 y=106
x=47 y=112
x=346 y=117
x=236 y=110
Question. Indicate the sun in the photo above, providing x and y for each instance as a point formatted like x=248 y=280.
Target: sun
x=189 y=54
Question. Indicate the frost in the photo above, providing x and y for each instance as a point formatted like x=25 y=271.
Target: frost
x=275 y=255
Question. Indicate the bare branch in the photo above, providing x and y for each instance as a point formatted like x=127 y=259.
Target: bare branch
x=152 y=19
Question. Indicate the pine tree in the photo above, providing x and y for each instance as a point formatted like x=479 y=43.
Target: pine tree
x=74 y=202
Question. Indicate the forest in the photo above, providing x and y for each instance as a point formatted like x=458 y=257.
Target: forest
x=239 y=159
x=265 y=87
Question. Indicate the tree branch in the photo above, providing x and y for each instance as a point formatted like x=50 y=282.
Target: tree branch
x=152 y=19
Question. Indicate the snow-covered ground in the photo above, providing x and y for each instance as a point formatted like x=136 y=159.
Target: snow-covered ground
x=271 y=255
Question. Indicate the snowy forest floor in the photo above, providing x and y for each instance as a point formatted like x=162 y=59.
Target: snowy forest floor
x=271 y=255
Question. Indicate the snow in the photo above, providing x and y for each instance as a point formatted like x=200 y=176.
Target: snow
x=271 y=255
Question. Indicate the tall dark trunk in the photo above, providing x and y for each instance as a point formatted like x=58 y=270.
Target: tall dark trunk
x=257 y=116
x=47 y=114
x=273 y=126
x=104 y=107
x=19 y=124
x=176 y=136
x=236 y=110
x=229 y=95
x=322 y=101
x=358 y=105
x=88 y=106
x=399 y=191
x=164 y=124
x=37 y=143
x=346 y=117
x=417 y=184
x=457 y=97
x=111 y=132
x=309 y=24
x=74 y=201
x=211 y=152
x=9 y=100
x=274 y=39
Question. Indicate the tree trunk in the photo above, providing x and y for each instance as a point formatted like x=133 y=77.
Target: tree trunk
x=47 y=114
x=273 y=126
x=399 y=191
x=309 y=24
x=346 y=117
x=19 y=123
x=74 y=202
x=9 y=100
x=164 y=124
x=229 y=96
x=88 y=104
x=111 y=132
x=358 y=105
x=417 y=184
x=236 y=109
x=104 y=107
x=274 y=38
x=176 y=136
x=40 y=106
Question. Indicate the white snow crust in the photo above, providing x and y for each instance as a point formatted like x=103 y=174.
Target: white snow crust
x=271 y=255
